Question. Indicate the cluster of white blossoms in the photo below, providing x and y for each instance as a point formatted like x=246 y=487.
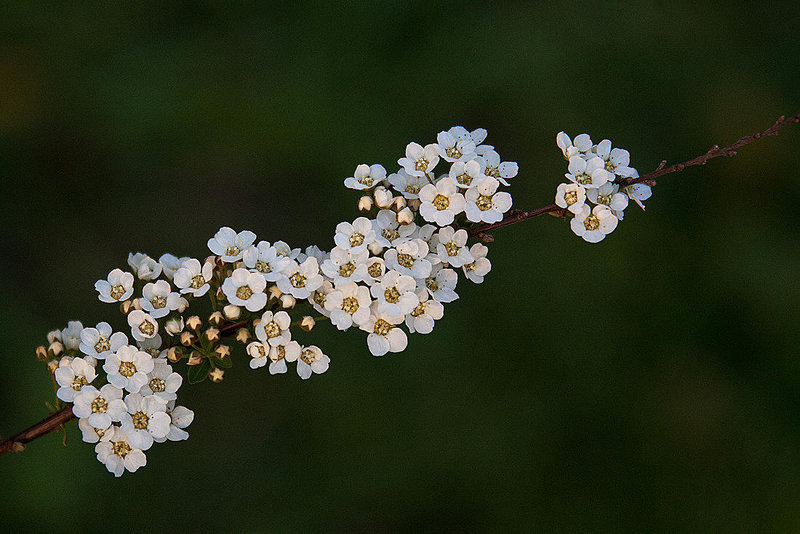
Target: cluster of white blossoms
x=596 y=195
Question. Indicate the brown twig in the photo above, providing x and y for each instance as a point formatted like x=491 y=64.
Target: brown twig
x=45 y=426
x=482 y=232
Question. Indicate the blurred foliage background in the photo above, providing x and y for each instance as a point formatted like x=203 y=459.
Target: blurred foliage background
x=649 y=383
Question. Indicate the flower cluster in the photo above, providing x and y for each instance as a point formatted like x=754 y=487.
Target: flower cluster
x=596 y=195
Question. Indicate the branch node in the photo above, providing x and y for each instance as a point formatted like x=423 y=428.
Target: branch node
x=17 y=447
x=486 y=238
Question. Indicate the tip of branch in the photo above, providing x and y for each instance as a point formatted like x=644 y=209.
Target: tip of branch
x=661 y=165
x=17 y=447
x=486 y=238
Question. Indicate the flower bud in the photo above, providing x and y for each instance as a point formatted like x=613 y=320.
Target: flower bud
x=53 y=336
x=307 y=323
x=383 y=197
x=212 y=334
x=398 y=203
x=375 y=247
x=221 y=296
x=365 y=203
x=232 y=312
x=405 y=216
x=55 y=349
x=216 y=375
x=173 y=355
x=222 y=352
x=174 y=326
x=125 y=307
x=194 y=323
x=183 y=305
x=414 y=204
x=136 y=304
x=52 y=365
x=216 y=319
x=274 y=293
x=288 y=302
x=187 y=338
x=195 y=358
x=243 y=335
x=41 y=353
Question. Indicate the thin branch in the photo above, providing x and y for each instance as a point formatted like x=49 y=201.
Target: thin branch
x=45 y=426
x=481 y=232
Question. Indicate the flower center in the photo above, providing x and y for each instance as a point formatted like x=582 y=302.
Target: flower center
x=198 y=281
x=421 y=164
x=604 y=199
x=584 y=179
x=158 y=385
x=99 y=405
x=464 y=179
x=592 y=222
x=347 y=269
x=406 y=260
x=297 y=280
x=350 y=305
x=570 y=197
x=375 y=270
x=320 y=297
x=453 y=152
x=147 y=328
x=127 y=369
x=390 y=234
x=272 y=329
x=441 y=202
x=102 y=345
x=451 y=248
x=610 y=166
x=232 y=250
x=484 y=203
x=244 y=292
x=382 y=327
x=412 y=188
x=419 y=310
x=158 y=302
x=263 y=267
x=279 y=354
x=121 y=448
x=356 y=239
x=391 y=295
x=432 y=283
x=492 y=171
x=308 y=356
x=117 y=292
x=100 y=432
x=140 y=420
x=78 y=382
x=366 y=180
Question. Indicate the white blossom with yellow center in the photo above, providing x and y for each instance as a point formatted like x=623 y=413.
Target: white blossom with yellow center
x=455 y=145
x=419 y=160
x=389 y=232
x=128 y=368
x=589 y=173
x=145 y=267
x=485 y=204
x=117 y=287
x=490 y=164
x=354 y=237
x=383 y=334
x=409 y=258
x=142 y=324
x=265 y=260
x=480 y=267
x=194 y=278
x=312 y=361
x=408 y=185
x=230 y=245
x=93 y=404
x=581 y=145
x=73 y=377
x=571 y=196
x=593 y=225
x=467 y=174
x=117 y=454
x=395 y=294
x=451 y=247
x=421 y=319
x=158 y=299
x=246 y=289
x=100 y=341
x=301 y=280
x=344 y=267
x=440 y=203
x=617 y=160
x=366 y=177
x=180 y=418
x=162 y=382
x=273 y=329
x=348 y=305
x=609 y=195
x=440 y=284
x=142 y=419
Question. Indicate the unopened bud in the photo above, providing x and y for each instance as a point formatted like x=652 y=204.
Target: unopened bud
x=125 y=307
x=187 y=338
x=287 y=302
x=216 y=319
x=398 y=203
x=194 y=323
x=307 y=323
x=52 y=365
x=216 y=375
x=222 y=352
x=55 y=349
x=375 y=247
x=41 y=353
x=405 y=216
x=221 y=295
x=183 y=305
x=53 y=336
x=174 y=326
x=243 y=335
x=173 y=355
x=274 y=293
x=232 y=312
x=212 y=334
x=414 y=204
x=195 y=358
x=383 y=197
x=136 y=304
x=365 y=203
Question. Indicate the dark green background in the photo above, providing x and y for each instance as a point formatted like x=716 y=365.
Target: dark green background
x=648 y=383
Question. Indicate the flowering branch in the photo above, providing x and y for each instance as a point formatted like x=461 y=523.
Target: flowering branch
x=481 y=232
x=45 y=426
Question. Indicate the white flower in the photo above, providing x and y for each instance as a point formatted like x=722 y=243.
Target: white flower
x=407 y=184
x=162 y=382
x=90 y=434
x=312 y=360
x=639 y=193
x=151 y=346
x=313 y=251
x=593 y=225
x=348 y=305
x=466 y=175
x=608 y=195
x=354 y=237
x=571 y=196
x=258 y=354
x=142 y=324
x=388 y=231
x=384 y=336
x=366 y=177
x=71 y=335
x=441 y=283
x=616 y=160
x=274 y=328
x=180 y=418
x=170 y=264
x=301 y=279
x=144 y=267
x=452 y=247
x=193 y=278
x=409 y=258
x=283 y=249
x=116 y=288
x=280 y=354
x=318 y=297
x=128 y=368
x=422 y=317
x=117 y=454
x=230 y=245
x=158 y=299
x=419 y=160
x=441 y=202
x=591 y=173
x=344 y=267
x=485 y=204
x=491 y=166
x=246 y=289
x=395 y=294
x=376 y=268
x=92 y=404
x=99 y=342
x=73 y=377
x=174 y=326
x=479 y=268
x=453 y=145
x=581 y=145
x=142 y=419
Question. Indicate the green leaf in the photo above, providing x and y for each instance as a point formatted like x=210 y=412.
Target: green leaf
x=199 y=372
x=225 y=363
